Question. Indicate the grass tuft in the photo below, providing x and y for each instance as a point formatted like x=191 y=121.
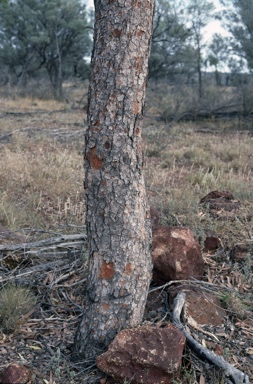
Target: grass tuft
x=15 y=302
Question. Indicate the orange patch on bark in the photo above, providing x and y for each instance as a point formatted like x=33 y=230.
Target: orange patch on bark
x=96 y=123
x=117 y=32
x=105 y=306
x=128 y=269
x=107 y=145
x=139 y=63
x=107 y=270
x=136 y=108
x=137 y=4
x=140 y=33
x=95 y=161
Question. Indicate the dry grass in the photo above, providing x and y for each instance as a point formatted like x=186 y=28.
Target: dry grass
x=183 y=165
x=41 y=179
x=41 y=182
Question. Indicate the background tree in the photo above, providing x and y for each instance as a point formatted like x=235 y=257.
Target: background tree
x=170 y=46
x=43 y=34
x=239 y=21
x=198 y=15
x=118 y=225
x=218 y=54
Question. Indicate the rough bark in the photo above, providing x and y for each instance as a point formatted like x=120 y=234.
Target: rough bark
x=118 y=223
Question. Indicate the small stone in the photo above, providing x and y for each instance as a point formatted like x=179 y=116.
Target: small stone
x=211 y=242
x=15 y=374
x=202 y=306
x=152 y=314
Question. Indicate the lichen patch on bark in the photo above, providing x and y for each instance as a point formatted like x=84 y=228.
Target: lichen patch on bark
x=128 y=269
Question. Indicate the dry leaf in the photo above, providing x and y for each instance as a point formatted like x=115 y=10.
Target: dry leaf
x=249 y=350
x=34 y=347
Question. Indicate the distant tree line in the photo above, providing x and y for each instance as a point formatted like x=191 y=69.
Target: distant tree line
x=42 y=36
x=54 y=38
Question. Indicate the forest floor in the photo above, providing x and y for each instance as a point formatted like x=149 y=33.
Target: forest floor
x=41 y=197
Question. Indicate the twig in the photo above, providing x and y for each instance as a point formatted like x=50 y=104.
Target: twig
x=234 y=374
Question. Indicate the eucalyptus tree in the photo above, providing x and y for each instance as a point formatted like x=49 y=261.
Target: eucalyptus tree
x=198 y=14
x=170 y=41
x=39 y=34
x=117 y=213
x=219 y=54
x=238 y=16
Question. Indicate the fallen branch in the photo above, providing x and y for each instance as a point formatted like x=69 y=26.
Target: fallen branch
x=234 y=374
x=80 y=238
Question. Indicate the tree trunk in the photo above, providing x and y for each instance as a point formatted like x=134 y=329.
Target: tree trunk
x=199 y=71
x=118 y=224
x=58 y=85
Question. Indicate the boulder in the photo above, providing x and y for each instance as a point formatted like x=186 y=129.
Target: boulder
x=202 y=306
x=15 y=374
x=176 y=255
x=144 y=355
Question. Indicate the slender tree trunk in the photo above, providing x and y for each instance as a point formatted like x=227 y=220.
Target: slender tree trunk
x=118 y=225
x=58 y=80
x=199 y=71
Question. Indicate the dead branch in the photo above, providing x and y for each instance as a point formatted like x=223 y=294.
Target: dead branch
x=234 y=374
x=63 y=240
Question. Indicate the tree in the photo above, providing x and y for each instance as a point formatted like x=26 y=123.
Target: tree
x=218 y=54
x=117 y=218
x=199 y=14
x=239 y=21
x=42 y=34
x=170 y=46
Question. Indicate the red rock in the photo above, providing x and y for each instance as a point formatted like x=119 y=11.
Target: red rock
x=202 y=306
x=242 y=252
x=220 y=200
x=211 y=242
x=15 y=374
x=145 y=355
x=225 y=195
x=176 y=255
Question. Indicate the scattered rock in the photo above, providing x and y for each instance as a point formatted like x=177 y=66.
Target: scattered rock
x=220 y=201
x=211 y=242
x=242 y=252
x=225 y=195
x=176 y=255
x=146 y=355
x=202 y=306
x=16 y=374
x=155 y=306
